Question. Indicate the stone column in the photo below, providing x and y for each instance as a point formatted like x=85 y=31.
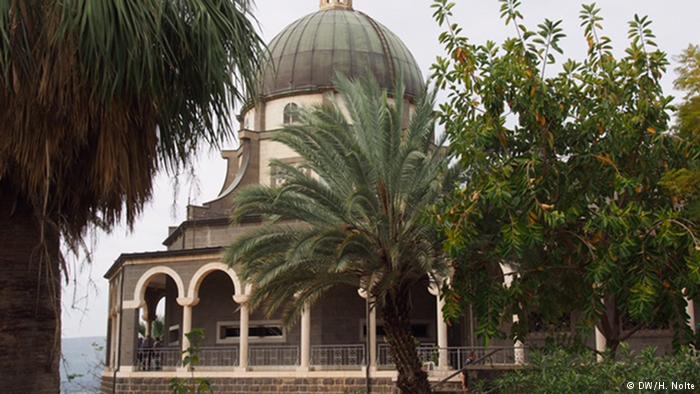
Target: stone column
x=518 y=346
x=186 y=327
x=187 y=304
x=371 y=324
x=443 y=359
x=690 y=309
x=114 y=333
x=600 y=344
x=305 y=361
x=242 y=300
x=148 y=320
x=372 y=332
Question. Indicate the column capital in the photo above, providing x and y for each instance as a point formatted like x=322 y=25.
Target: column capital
x=362 y=293
x=241 y=298
x=434 y=289
x=133 y=304
x=187 y=301
x=437 y=281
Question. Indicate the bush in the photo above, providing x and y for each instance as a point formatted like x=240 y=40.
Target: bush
x=563 y=372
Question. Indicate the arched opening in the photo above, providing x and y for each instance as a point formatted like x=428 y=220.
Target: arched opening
x=152 y=318
x=216 y=314
x=159 y=324
x=233 y=334
x=291 y=114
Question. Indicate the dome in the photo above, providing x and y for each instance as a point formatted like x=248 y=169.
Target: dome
x=306 y=55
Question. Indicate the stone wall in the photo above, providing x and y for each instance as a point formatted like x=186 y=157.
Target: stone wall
x=255 y=385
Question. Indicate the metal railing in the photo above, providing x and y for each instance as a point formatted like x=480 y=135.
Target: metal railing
x=468 y=362
x=426 y=353
x=218 y=356
x=492 y=355
x=273 y=356
x=158 y=358
x=338 y=356
x=457 y=356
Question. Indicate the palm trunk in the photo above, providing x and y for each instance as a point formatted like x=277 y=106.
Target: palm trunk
x=397 y=327
x=29 y=300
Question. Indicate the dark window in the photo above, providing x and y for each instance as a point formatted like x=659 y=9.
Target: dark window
x=291 y=113
x=265 y=331
x=230 y=332
x=254 y=331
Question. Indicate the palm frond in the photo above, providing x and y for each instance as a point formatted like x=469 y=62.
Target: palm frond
x=96 y=96
x=358 y=202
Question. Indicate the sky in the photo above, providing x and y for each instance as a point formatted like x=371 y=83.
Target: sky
x=85 y=296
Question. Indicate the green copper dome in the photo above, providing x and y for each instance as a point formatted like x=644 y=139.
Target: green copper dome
x=306 y=56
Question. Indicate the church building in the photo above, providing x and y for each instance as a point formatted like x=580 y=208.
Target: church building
x=337 y=343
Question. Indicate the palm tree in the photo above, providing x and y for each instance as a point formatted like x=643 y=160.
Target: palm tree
x=354 y=213
x=96 y=96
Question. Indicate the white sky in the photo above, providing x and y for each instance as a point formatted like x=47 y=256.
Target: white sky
x=675 y=24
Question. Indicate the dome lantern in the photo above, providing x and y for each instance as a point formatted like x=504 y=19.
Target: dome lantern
x=336 y=5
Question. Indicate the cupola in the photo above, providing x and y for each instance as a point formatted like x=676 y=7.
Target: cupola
x=307 y=55
x=336 y=5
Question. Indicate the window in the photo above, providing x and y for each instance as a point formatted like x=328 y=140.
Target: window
x=291 y=114
x=258 y=331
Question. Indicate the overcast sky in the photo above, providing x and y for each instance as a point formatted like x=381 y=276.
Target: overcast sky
x=675 y=24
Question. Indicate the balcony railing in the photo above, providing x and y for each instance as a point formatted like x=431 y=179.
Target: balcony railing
x=338 y=356
x=158 y=359
x=497 y=355
x=457 y=356
x=273 y=356
x=219 y=356
x=331 y=357
x=426 y=353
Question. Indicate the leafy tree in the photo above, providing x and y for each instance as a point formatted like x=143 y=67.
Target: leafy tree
x=564 y=180
x=689 y=82
x=354 y=213
x=685 y=183
x=95 y=97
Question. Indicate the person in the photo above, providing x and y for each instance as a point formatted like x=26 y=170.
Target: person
x=146 y=352
x=140 y=356
x=465 y=373
x=157 y=354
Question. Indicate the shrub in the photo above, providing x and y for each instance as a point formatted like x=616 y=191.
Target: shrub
x=564 y=372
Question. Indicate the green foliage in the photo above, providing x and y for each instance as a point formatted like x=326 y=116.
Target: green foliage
x=567 y=179
x=355 y=212
x=190 y=361
x=355 y=209
x=685 y=183
x=117 y=90
x=562 y=372
x=158 y=328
